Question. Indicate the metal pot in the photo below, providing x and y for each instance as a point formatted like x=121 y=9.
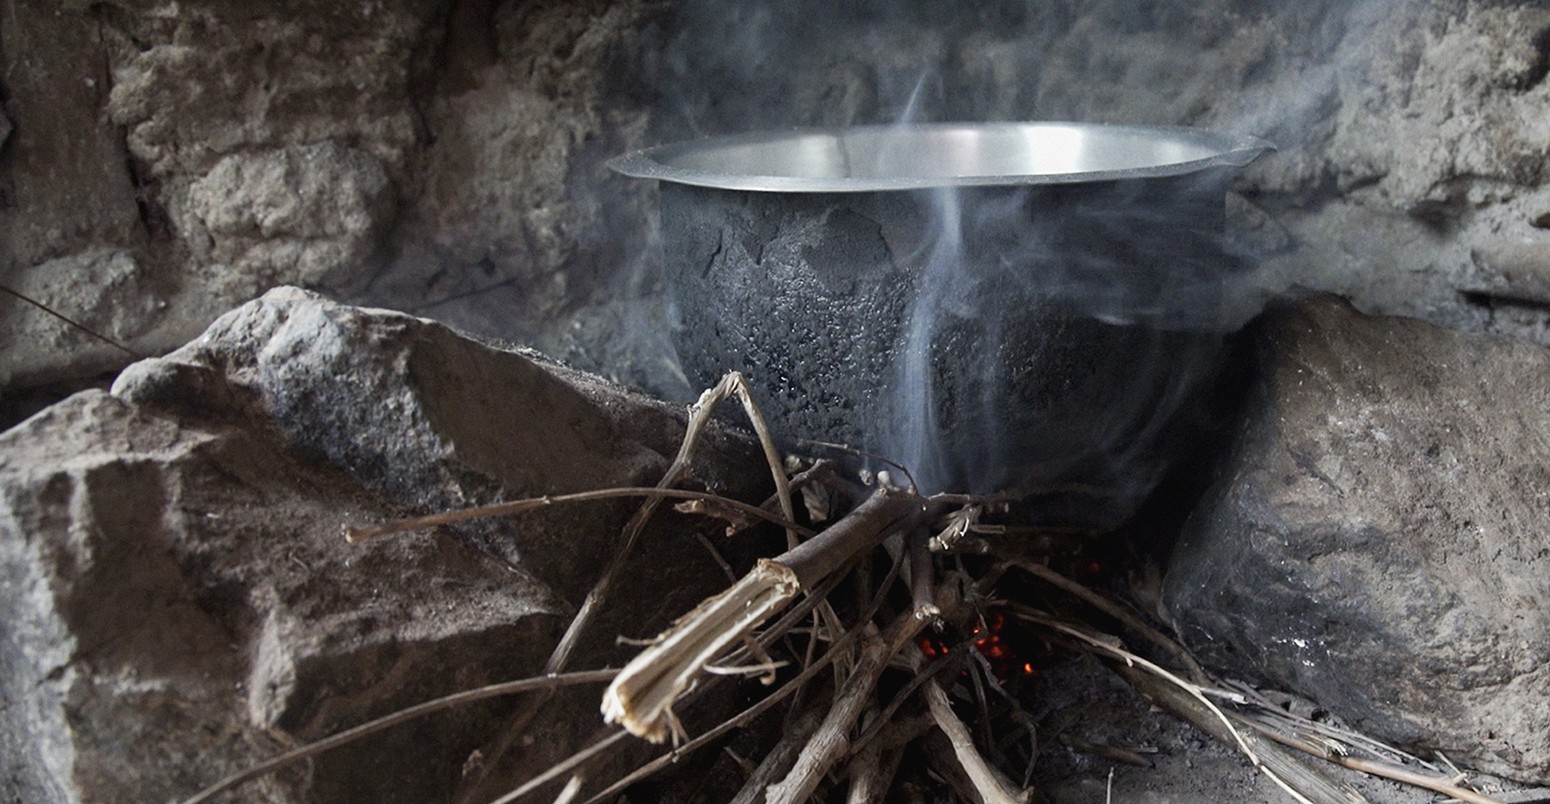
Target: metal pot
x=995 y=306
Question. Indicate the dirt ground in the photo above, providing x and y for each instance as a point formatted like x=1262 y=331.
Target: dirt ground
x=1184 y=764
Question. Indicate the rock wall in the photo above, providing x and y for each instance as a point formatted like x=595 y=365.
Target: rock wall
x=167 y=161
x=1375 y=538
x=161 y=162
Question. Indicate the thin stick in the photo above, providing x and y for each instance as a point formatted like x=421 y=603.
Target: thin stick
x=790 y=687
x=779 y=758
x=572 y=787
x=1132 y=659
x=1310 y=783
x=1103 y=604
x=824 y=473
x=992 y=787
x=1192 y=690
x=861 y=453
x=935 y=668
x=699 y=418
x=716 y=556
x=735 y=385
x=72 y=322
x=1189 y=702
x=563 y=767
x=355 y=533
x=879 y=515
x=1110 y=752
x=832 y=740
x=1386 y=770
x=824 y=589
x=641 y=698
x=1356 y=739
x=551 y=681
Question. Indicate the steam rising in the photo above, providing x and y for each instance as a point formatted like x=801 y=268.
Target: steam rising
x=1054 y=333
x=1145 y=287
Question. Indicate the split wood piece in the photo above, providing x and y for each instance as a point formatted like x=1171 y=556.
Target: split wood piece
x=832 y=740
x=840 y=647
x=700 y=412
x=993 y=787
x=642 y=696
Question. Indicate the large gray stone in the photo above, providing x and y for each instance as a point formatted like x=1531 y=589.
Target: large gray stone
x=1377 y=538
x=179 y=602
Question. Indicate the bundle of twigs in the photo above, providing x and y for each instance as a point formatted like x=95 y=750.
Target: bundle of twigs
x=910 y=660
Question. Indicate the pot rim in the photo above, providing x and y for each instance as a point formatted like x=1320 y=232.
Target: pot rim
x=825 y=160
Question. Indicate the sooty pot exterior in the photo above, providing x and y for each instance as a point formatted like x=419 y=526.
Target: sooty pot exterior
x=988 y=338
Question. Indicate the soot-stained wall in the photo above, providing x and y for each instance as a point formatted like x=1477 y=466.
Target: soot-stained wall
x=162 y=161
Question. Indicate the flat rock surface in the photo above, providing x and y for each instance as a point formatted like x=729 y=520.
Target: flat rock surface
x=1377 y=538
x=179 y=600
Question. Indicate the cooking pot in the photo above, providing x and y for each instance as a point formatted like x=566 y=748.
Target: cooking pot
x=996 y=306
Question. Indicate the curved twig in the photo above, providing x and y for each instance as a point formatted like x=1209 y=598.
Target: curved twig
x=362 y=533
x=551 y=681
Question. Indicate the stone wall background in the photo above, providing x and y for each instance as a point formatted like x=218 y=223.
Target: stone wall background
x=161 y=162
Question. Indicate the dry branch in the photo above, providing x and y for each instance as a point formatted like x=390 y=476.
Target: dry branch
x=840 y=647
x=1386 y=770
x=1103 y=604
x=993 y=788
x=641 y=698
x=360 y=533
x=1311 y=784
x=699 y=418
x=778 y=760
x=832 y=740
x=873 y=769
x=565 y=766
